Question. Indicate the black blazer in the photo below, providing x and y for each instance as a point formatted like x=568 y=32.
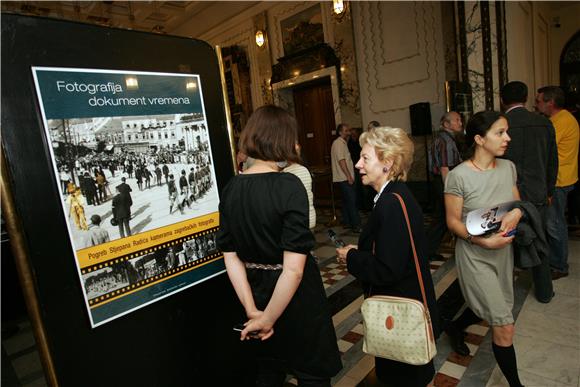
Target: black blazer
x=534 y=152
x=390 y=270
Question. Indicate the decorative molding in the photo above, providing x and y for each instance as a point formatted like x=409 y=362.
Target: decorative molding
x=521 y=5
x=282 y=12
x=374 y=70
x=235 y=22
x=417 y=48
x=327 y=23
x=541 y=49
x=378 y=81
x=282 y=91
x=244 y=37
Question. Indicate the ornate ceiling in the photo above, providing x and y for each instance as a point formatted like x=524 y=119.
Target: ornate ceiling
x=156 y=16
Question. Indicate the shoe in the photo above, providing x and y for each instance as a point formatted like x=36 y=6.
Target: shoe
x=556 y=275
x=456 y=339
x=546 y=301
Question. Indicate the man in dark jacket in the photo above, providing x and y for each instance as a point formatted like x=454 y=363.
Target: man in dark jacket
x=122 y=212
x=125 y=189
x=533 y=150
x=165 y=170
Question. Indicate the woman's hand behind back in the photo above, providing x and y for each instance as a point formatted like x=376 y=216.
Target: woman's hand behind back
x=257 y=328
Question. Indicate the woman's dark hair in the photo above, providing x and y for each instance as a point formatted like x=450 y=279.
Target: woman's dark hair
x=271 y=134
x=479 y=124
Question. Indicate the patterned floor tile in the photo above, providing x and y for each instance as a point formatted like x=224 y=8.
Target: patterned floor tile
x=452 y=369
x=442 y=380
x=344 y=346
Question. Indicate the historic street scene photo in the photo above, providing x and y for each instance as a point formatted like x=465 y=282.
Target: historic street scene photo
x=120 y=176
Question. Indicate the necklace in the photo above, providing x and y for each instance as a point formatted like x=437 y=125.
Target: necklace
x=481 y=169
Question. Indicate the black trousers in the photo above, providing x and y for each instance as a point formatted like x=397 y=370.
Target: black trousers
x=541 y=274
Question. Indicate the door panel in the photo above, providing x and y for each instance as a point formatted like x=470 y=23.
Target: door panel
x=315 y=115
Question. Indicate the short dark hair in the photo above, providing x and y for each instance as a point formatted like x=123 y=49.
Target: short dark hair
x=553 y=93
x=96 y=219
x=479 y=124
x=271 y=134
x=514 y=92
x=340 y=127
x=123 y=179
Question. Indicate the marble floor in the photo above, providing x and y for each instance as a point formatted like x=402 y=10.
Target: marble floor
x=547 y=339
x=547 y=335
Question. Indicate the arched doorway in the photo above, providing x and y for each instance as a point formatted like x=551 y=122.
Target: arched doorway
x=570 y=70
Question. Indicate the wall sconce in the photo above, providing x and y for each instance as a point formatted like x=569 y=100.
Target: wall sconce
x=260 y=38
x=132 y=82
x=339 y=9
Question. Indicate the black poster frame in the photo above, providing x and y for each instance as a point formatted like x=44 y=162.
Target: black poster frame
x=185 y=339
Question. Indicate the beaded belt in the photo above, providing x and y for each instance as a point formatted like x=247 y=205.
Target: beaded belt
x=261 y=266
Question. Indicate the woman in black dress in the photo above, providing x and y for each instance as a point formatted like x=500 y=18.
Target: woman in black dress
x=266 y=242
x=383 y=260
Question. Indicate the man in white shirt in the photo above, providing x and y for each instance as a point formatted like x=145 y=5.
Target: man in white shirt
x=343 y=174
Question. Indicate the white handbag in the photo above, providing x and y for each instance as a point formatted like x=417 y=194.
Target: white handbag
x=399 y=328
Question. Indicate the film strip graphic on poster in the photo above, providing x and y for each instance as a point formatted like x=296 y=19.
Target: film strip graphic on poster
x=132 y=159
x=109 y=280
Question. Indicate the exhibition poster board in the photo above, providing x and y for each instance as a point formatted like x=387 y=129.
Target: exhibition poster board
x=132 y=158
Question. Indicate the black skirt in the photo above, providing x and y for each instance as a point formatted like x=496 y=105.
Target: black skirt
x=304 y=338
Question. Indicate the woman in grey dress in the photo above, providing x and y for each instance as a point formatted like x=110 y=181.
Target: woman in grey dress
x=485 y=263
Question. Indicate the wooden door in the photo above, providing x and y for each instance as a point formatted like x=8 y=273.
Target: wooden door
x=315 y=115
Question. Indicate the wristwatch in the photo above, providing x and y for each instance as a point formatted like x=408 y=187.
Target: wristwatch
x=469 y=238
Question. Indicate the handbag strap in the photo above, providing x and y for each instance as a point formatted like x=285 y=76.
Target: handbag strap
x=417 y=267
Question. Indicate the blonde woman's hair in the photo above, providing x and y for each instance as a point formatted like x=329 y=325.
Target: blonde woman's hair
x=391 y=144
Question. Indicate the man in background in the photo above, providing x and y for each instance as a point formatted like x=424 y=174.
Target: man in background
x=533 y=151
x=343 y=174
x=550 y=101
x=443 y=157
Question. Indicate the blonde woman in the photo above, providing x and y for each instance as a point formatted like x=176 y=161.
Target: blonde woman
x=383 y=260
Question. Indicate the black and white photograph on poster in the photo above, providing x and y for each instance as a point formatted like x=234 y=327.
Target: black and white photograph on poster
x=121 y=176
x=124 y=275
x=106 y=280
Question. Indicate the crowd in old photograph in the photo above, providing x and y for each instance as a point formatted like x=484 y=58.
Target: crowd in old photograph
x=108 y=186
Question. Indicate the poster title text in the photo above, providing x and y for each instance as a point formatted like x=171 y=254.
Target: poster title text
x=114 y=88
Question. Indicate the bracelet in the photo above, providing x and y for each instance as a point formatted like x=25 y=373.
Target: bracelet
x=469 y=238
